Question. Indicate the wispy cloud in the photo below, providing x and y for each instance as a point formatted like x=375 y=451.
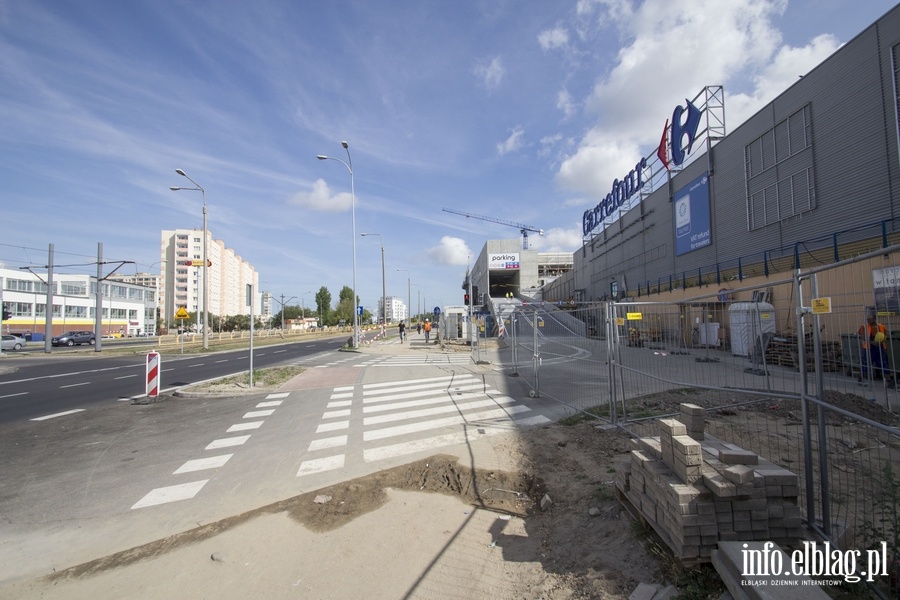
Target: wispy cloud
x=320 y=198
x=553 y=38
x=513 y=142
x=490 y=73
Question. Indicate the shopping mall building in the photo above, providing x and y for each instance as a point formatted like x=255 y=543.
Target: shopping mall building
x=813 y=176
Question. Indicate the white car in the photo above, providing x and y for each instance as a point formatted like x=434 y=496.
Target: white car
x=13 y=342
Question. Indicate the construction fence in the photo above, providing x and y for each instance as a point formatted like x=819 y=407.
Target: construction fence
x=789 y=369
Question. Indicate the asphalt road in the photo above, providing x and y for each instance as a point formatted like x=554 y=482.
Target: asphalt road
x=43 y=385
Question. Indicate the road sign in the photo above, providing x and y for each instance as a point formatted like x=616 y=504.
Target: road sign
x=182 y=313
x=359 y=310
x=437 y=311
x=197 y=263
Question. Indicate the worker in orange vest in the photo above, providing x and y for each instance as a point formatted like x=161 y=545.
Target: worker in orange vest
x=874 y=336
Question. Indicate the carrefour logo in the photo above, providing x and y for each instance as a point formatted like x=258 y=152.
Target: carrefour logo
x=678 y=146
x=685 y=123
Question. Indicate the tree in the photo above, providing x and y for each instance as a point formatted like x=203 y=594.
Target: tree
x=323 y=305
x=288 y=312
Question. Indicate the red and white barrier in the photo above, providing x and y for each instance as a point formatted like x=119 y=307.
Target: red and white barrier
x=153 y=374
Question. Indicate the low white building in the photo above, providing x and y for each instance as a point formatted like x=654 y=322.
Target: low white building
x=127 y=308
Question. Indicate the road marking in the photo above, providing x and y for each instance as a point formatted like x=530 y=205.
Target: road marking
x=332 y=442
x=259 y=413
x=344 y=388
x=498 y=413
x=333 y=414
x=271 y=403
x=279 y=351
x=126 y=376
x=333 y=426
x=279 y=395
x=339 y=404
x=342 y=395
x=318 y=465
x=420 y=445
x=62 y=414
x=244 y=426
x=394 y=384
x=445 y=393
x=227 y=442
x=221 y=361
x=428 y=401
x=196 y=365
x=62 y=387
x=11 y=395
x=171 y=493
x=439 y=410
x=200 y=464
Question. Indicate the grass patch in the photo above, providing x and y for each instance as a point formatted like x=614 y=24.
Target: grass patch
x=262 y=377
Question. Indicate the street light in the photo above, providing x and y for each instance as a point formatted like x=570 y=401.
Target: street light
x=408 y=293
x=205 y=258
x=303 y=304
x=349 y=165
x=383 y=285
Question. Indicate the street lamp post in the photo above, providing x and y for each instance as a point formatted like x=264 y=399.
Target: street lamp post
x=383 y=286
x=205 y=257
x=408 y=294
x=349 y=165
x=303 y=303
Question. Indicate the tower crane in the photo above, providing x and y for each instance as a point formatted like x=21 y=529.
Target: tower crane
x=523 y=229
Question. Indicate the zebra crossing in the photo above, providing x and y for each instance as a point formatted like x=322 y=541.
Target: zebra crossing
x=415 y=360
x=368 y=422
x=395 y=415
x=250 y=421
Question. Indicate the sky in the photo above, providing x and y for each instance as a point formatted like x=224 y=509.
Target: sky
x=518 y=110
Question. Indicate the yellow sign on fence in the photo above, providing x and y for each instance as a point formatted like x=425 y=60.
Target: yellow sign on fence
x=634 y=316
x=821 y=306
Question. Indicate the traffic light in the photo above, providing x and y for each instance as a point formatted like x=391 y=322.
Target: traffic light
x=6 y=315
x=466 y=299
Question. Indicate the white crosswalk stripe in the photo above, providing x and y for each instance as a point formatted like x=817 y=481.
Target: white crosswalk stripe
x=407 y=360
x=396 y=414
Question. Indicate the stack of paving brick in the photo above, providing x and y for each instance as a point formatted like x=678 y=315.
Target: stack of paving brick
x=755 y=498
x=696 y=494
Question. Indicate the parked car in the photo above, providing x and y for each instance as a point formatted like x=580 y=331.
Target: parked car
x=74 y=338
x=13 y=342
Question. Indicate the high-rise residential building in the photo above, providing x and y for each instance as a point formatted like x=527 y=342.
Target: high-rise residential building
x=181 y=276
x=396 y=309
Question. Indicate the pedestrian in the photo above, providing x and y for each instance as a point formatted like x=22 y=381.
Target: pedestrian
x=402 y=328
x=418 y=328
x=874 y=336
x=427 y=328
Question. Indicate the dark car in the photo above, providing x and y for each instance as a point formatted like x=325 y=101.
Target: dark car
x=74 y=338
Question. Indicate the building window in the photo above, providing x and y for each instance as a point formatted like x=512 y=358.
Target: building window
x=73 y=288
x=76 y=312
x=779 y=172
x=18 y=309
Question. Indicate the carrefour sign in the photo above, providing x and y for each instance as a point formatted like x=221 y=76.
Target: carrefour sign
x=671 y=151
x=503 y=261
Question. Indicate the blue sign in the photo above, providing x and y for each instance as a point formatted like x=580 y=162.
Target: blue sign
x=437 y=310
x=359 y=310
x=692 y=222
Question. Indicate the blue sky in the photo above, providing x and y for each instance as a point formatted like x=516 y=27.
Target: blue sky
x=523 y=110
